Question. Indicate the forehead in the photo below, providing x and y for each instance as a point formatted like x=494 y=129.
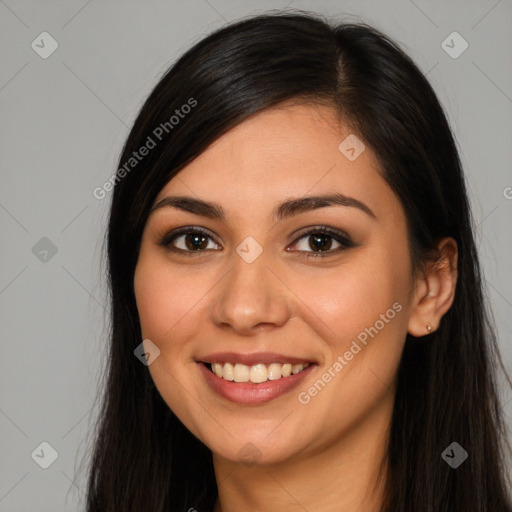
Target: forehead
x=288 y=151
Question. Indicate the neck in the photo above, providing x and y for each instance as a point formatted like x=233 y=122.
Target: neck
x=342 y=476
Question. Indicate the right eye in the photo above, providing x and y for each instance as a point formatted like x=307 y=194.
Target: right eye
x=188 y=241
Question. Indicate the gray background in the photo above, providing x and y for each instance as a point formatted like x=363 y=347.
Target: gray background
x=63 y=121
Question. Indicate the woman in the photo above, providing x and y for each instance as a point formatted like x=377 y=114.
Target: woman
x=298 y=320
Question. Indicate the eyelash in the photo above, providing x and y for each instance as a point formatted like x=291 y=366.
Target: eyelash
x=339 y=236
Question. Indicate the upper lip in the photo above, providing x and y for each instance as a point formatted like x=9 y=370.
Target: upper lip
x=252 y=359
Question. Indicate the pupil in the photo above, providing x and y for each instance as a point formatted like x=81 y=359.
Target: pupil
x=195 y=241
x=319 y=241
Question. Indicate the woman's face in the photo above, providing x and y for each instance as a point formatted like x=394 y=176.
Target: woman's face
x=248 y=291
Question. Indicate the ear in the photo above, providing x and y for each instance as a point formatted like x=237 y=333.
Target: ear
x=435 y=290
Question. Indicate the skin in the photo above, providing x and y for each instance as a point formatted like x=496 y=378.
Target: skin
x=324 y=455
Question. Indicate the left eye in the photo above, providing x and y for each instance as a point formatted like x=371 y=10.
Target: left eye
x=317 y=242
x=321 y=241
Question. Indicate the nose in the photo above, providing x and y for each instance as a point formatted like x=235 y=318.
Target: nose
x=251 y=298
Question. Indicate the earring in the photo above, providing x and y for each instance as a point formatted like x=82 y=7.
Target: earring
x=429 y=328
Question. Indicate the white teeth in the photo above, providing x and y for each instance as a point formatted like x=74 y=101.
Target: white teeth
x=241 y=373
x=296 y=368
x=257 y=373
x=217 y=369
x=286 y=371
x=274 y=371
x=228 y=372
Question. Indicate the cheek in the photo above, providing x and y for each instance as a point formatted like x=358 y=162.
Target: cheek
x=364 y=305
x=166 y=302
x=164 y=298
x=353 y=296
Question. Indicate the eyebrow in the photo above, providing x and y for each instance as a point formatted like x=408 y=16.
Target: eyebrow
x=284 y=210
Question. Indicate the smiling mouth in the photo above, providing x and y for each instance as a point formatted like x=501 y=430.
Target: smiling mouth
x=257 y=373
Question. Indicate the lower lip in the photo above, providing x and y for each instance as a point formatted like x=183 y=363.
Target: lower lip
x=249 y=393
